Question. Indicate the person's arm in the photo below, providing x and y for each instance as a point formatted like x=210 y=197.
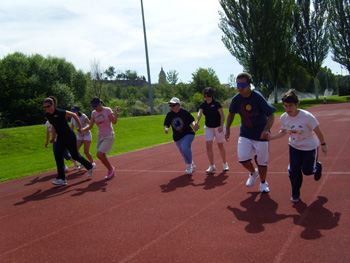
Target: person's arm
x=199 y=116
x=70 y=114
x=114 y=117
x=268 y=125
x=222 y=119
x=320 y=136
x=278 y=135
x=166 y=129
x=53 y=131
x=230 y=118
x=47 y=137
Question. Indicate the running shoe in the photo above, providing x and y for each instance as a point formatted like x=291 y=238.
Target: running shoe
x=318 y=173
x=77 y=166
x=211 y=169
x=252 y=178
x=59 y=182
x=111 y=173
x=90 y=172
x=93 y=165
x=189 y=169
x=264 y=187
x=193 y=166
x=66 y=169
x=294 y=199
x=225 y=167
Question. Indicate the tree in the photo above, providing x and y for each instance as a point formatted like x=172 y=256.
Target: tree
x=203 y=78
x=96 y=76
x=339 y=26
x=110 y=72
x=244 y=34
x=280 y=37
x=25 y=81
x=172 y=77
x=312 y=36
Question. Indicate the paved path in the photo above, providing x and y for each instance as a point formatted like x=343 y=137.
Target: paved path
x=152 y=212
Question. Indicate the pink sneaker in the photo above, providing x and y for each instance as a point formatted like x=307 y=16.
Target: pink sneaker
x=110 y=174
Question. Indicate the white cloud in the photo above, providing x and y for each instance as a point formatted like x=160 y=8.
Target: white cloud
x=182 y=35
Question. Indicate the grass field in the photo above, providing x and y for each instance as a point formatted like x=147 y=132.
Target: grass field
x=23 y=151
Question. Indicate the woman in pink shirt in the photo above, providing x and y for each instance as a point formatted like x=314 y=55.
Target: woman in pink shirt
x=103 y=117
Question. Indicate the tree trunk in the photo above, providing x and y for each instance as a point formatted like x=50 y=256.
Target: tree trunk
x=316 y=87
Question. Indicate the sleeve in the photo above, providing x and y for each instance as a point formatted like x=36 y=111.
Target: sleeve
x=167 y=120
x=312 y=121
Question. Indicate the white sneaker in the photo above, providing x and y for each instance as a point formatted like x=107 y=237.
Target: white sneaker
x=225 y=167
x=59 y=182
x=66 y=169
x=264 y=187
x=77 y=166
x=252 y=178
x=89 y=173
x=193 y=166
x=189 y=169
x=93 y=166
x=211 y=169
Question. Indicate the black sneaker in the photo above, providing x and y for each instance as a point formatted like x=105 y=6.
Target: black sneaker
x=294 y=199
x=318 y=173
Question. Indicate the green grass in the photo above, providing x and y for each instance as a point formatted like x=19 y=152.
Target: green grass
x=23 y=151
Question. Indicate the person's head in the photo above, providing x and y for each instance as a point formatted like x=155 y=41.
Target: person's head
x=174 y=104
x=50 y=103
x=76 y=110
x=208 y=92
x=290 y=101
x=243 y=84
x=96 y=103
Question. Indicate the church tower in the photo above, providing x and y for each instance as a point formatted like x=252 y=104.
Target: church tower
x=162 y=77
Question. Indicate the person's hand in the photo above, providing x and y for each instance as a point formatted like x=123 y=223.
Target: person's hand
x=116 y=110
x=220 y=129
x=52 y=140
x=166 y=130
x=46 y=144
x=325 y=149
x=196 y=127
x=264 y=135
x=227 y=134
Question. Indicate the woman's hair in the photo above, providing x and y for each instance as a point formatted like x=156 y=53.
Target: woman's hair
x=209 y=90
x=51 y=100
x=290 y=96
x=246 y=76
x=77 y=108
x=95 y=100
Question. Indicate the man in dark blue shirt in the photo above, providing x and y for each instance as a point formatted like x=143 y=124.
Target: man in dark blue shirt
x=257 y=117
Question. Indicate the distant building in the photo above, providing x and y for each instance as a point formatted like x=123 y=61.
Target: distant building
x=162 y=77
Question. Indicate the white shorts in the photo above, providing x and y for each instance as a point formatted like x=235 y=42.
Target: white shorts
x=210 y=133
x=87 y=137
x=105 y=143
x=247 y=147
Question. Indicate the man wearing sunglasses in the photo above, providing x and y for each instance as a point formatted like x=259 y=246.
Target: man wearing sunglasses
x=181 y=122
x=257 y=117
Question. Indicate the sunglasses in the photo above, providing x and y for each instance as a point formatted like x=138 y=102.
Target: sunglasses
x=172 y=105
x=47 y=106
x=242 y=85
x=74 y=110
x=95 y=105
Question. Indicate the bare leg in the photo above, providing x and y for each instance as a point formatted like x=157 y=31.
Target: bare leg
x=210 y=152
x=102 y=156
x=222 y=152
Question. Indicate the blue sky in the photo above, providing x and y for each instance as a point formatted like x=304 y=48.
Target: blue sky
x=182 y=35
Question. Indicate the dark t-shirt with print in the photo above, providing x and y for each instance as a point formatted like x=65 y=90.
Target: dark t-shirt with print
x=180 y=122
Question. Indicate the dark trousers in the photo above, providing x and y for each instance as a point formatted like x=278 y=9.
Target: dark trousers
x=300 y=162
x=68 y=141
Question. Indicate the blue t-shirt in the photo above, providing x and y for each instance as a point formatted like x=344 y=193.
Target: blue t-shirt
x=254 y=111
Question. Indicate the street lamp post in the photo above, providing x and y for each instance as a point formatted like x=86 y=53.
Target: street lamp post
x=147 y=62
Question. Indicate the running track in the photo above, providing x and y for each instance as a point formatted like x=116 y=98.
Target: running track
x=152 y=212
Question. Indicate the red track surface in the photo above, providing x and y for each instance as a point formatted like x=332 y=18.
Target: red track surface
x=152 y=212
